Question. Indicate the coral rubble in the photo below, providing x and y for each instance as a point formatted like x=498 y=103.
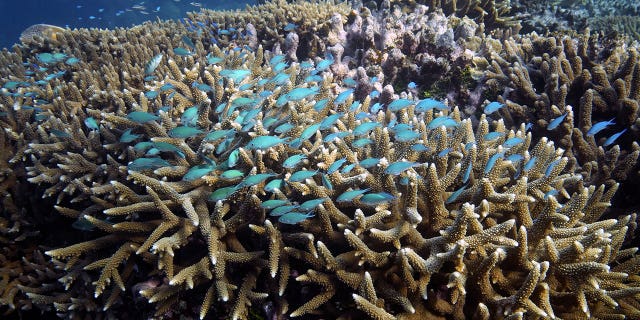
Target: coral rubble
x=231 y=166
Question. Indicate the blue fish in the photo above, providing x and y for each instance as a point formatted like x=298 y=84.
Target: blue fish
x=189 y=116
x=418 y=147
x=429 y=104
x=529 y=164
x=550 y=168
x=127 y=136
x=59 y=133
x=293 y=161
x=168 y=147
x=364 y=128
x=222 y=193
x=215 y=135
x=346 y=169
x=342 y=96
x=369 y=162
x=599 y=127
x=446 y=121
x=351 y=194
x=231 y=174
x=397 y=105
x=298 y=94
x=273 y=203
x=452 y=198
x=326 y=182
x=376 y=107
x=255 y=179
x=294 y=217
x=313 y=78
x=184 y=132
x=151 y=94
x=552 y=192
x=211 y=59
x=276 y=59
x=265 y=142
x=302 y=175
x=467 y=173
x=284 y=128
x=557 y=121
x=492 y=161
x=273 y=185
x=276 y=212
x=444 y=152
x=280 y=78
x=515 y=158
x=512 y=142
x=361 y=143
x=237 y=75
x=309 y=131
x=324 y=64
x=147 y=164
x=376 y=198
x=493 y=107
x=399 y=167
x=329 y=121
x=198 y=172
x=336 y=165
x=179 y=51
x=320 y=105
x=613 y=138
x=493 y=135
x=290 y=27
x=311 y=204
x=91 y=123
x=412 y=85
x=234 y=156
x=141 y=117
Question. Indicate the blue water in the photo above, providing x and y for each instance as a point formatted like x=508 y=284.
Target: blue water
x=17 y=15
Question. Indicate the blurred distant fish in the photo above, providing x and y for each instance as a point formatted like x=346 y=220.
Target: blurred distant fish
x=196 y=4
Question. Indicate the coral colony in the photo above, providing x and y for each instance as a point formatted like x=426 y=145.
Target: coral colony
x=313 y=160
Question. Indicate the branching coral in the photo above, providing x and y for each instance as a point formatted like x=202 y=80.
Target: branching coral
x=238 y=180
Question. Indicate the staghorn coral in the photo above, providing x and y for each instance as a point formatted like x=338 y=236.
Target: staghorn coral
x=443 y=222
x=540 y=77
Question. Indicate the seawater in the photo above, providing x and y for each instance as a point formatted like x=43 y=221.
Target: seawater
x=15 y=16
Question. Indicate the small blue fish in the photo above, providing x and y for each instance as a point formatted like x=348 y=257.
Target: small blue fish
x=342 y=96
x=71 y=61
x=492 y=161
x=311 y=204
x=418 y=147
x=280 y=66
x=284 y=128
x=265 y=142
x=412 y=85
x=324 y=64
x=273 y=185
x=215 y=135
x=313 y=78
x=613 y=138
x=302 y=175
x=467 y=173
x=376 y=198
x=168 y=147
x=91 y=123
x=530 y=164
x=399 y=104
x=198 y=172
x=59 y=133
x=127 y=136
x=399 y=167
x=364 y=128
x=350 y=195
x=280 y=78
x=444 y=152
x=320 y=105
x=346 y=169
x=361 y=143
x=512 y=142
x=276 y=59
x=179 y=51
x=550 y=168
x=376 y=107
x=232 y=174
x=184 y=132
x=599 y=127
x=326 y=182
x=294 y=217
x=293 y=161
x=493 y=135
x=557 y=121
x=188 y=42
x=273 y=203
x=237 y=75
x=147 y=164
x=278 y=211
x=445 y=121
x=255 y=179
x=309 y=131
x=369 y=162
x=211 y=59
x=234 y=156
x=452 y=198
x=336 y=165
x=298 y=94
x=515 y=158
x=493 y=107
x=142 y=117
x=151 y=94
x=222 y=193
x=329 y=121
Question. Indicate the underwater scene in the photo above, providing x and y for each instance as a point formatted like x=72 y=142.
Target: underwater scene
x=323 y=159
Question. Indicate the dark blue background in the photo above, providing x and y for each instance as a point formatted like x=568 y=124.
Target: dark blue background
x=17 y=15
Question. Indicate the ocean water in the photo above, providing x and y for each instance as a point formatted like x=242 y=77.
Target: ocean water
x=15 y=16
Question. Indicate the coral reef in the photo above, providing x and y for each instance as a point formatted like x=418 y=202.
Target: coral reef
x=233 y=166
